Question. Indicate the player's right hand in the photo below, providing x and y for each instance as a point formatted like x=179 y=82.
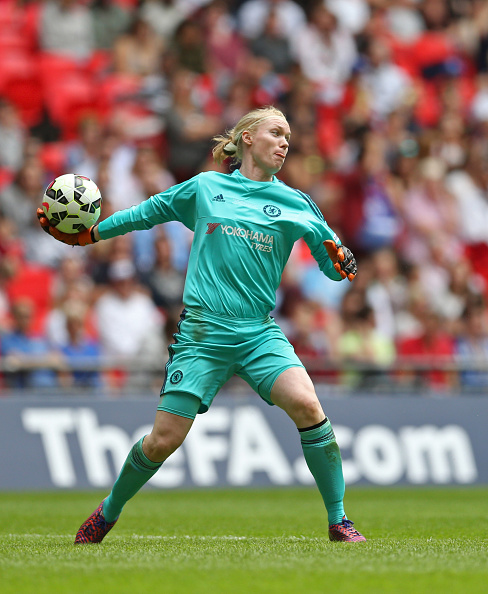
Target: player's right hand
x=342 y=258
x=82 y=238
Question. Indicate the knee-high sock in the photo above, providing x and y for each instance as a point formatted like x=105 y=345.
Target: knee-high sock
x=325 y=463
x=135 y=473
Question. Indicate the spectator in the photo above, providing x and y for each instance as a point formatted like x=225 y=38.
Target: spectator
x=431 y=215
x=352 y=15
x=28 y=358
x=472 y=346
x=188 y=47
x=325 y=53
x=139 y=51
x=404 y=21
x=110 y=19
x=225 y=47
x=102 y=258
x=117 y=157
x=12 y=133
x=470 y=188
x=450 y=143
x=464 y=287
x=372 y=217
x=20 y=197
x=164 y=281
x=163 y=15
x=306 y=330
x=479 y=106
x=80 y=350
x=126 y=317
x=430 y=353
x=387 y=293
x=188 y=128
x=66 y=28
x=273 y=45
x=306 y=168
x=84 y=153
x=72 y=285
x=253 y=14
x=147 y=175
x=362 y=344
x=387 y=86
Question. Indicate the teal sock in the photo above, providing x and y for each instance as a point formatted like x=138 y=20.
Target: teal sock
x=324 y=460
x=135 y=473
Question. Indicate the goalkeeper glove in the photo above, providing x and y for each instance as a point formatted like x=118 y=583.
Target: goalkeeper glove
x=342 y=258
x=86 y=237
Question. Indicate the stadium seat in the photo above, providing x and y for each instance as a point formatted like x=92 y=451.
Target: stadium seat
x=19 y=24
x=54 y=67
x=99 y=63
x=34 y=282
x=19 y=82
x=116 y=89
x=73 y=97
x=53 y=157
x=13 y=42
x=127 y=4
x=9 y=15
x=6 y=176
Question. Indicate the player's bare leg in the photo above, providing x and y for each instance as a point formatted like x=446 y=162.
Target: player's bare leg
x=168 y=433
x=293 y=391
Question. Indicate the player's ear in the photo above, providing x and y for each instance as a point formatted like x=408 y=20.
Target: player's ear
x=247 y=137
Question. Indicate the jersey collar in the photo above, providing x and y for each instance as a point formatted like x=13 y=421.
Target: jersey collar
x=251 y=185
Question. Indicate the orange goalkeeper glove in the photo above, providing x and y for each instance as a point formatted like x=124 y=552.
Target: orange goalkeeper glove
x=85 y=237
x=342 y=258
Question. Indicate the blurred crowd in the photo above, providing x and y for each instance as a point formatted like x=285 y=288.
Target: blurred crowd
x=388 y=106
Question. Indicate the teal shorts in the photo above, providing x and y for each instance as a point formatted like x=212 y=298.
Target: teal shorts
x=209 y=349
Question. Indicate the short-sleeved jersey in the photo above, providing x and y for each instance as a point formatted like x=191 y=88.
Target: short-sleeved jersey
x=244 y=232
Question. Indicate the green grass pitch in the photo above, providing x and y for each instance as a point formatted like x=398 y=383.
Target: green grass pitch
x=248 y=541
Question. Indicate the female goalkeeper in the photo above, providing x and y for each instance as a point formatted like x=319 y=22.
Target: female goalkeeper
x=245 y=224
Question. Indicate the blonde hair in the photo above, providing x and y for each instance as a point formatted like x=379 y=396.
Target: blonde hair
x=230 y=144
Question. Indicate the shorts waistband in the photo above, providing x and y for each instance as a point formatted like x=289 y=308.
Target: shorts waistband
x=211 y=315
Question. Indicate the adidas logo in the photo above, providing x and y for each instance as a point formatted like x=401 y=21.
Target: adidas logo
x=218 y=198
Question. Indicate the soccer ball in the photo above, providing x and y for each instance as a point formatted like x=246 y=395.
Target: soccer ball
x=72 y=203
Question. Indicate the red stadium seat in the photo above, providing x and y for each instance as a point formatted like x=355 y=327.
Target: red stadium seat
x=54 y=67
x=53 y=158
x=10 y=16
x=116 y=89
x=15 y=64
x=19 y=82
x=19 y=24
x=13 y=42
x=73 y=96
x=6 y=176
x=127 y=4
x=99 y=63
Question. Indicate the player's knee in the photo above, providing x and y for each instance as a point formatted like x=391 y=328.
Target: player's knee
x=159 y=446
x=307 y=410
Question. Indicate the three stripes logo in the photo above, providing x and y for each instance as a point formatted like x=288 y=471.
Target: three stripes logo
x=211 y=228
x=218 y=198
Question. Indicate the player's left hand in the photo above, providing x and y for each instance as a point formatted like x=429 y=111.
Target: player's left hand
x=343 y=259
x=82 y=238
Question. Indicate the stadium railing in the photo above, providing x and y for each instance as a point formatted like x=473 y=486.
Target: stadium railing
x=119 y=376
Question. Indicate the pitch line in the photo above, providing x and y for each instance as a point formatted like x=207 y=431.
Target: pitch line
x=174 y=537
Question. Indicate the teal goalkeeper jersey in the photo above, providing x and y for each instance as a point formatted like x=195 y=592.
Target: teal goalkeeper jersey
x=244 y=233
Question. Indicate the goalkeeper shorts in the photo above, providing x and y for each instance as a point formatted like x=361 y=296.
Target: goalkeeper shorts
x=209 y=349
